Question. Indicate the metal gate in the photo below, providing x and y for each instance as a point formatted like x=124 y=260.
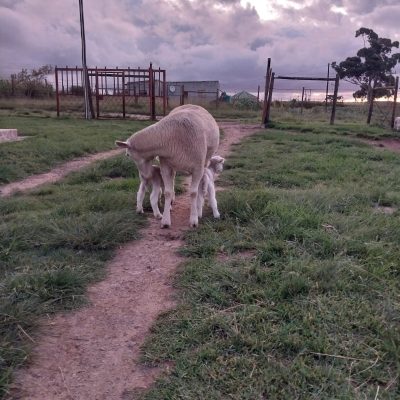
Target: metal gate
x=115 y=92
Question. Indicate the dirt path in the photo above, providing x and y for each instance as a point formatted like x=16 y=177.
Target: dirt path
x=92 y=354
x=56 y=174
x=389 y=144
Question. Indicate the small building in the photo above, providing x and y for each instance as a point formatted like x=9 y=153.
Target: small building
x=196 y=90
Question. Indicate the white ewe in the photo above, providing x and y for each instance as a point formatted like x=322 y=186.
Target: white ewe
x=207 y=187
x=396 y=126
x=184 y=140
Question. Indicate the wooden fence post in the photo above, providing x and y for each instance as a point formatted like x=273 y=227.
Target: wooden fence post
x=266 y=91
x=271 y=89
x=335 y=93
x=302 y=101
x=396 y=88
x=371 y=103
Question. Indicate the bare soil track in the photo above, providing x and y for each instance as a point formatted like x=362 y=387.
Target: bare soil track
x=92 y=353
x=56 y=174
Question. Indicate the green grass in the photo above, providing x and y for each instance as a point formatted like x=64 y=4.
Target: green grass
x=53 y=243
x=51 y=141
x=312 y=309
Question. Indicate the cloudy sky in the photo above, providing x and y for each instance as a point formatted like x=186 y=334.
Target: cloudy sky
x=225 y=40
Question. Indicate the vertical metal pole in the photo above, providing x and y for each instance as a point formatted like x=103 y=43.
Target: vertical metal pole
x=85 y=72
x=123 y=94
x=57 y=92
x=396 y=88
x=164 y=93
x=97 y=94
x=335 y=93
x=258 y=94
x=327 y=91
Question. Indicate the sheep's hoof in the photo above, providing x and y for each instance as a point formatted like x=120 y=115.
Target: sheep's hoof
x=165 y=226
x=217 y=216
x=140 y=211
x=158 y=216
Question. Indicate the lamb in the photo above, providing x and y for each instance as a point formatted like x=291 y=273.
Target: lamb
x=156 y=183
x=184 y=140
x=396 y=126
x=207 y=186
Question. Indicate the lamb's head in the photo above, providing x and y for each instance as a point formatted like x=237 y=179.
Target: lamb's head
x=217 y=164
x=143 y=165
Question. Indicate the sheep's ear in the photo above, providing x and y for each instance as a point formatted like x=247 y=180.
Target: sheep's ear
x=125 y=145
x=219 y=160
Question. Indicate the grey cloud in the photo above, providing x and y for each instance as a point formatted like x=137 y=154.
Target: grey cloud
x=259 y=42
x=190 y=39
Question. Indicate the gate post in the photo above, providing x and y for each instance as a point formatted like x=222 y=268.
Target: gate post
x=333 y=114
x=396 y=88
x=123 y=94
x=57 y=94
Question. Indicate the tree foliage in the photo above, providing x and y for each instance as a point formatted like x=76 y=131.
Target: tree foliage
x=29 y=83
x=372 y=66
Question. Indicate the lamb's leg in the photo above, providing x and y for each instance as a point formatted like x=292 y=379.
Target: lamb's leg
x=212 y=199
x=200 y=196
x=140 y=197
x=167 y=176
x=194 y=190
x=200 y=203
x=154 y=196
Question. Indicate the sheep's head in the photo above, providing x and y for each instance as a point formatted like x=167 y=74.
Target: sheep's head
x=144 y=165
x=217 y=164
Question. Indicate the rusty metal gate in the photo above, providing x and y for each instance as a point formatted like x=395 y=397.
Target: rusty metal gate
x=115 y=92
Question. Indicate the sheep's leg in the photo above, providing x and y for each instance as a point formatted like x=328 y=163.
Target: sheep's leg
x=173 y=186
x=167 y=175
x=154 y=196
x=194 y=191
x=212 y=199
x=140 y=197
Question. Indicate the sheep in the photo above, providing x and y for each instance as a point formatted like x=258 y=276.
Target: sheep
x=156 y=183
x=396 y=126
x=184 y=140
x=207 y=187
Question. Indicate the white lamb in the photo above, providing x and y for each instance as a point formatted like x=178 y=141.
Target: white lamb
x=156 y=183
x=207 y=187
x=184 y=140
x=396 y=126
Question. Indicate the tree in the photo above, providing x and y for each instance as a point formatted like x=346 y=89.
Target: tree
x=34 y=83
x=371 y=67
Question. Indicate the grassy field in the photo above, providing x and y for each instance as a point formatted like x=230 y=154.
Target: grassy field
x=53 y=243
x=51 y=141
x=294 y=294
x=310 y=311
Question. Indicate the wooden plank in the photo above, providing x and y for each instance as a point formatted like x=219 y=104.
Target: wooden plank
x=304 y=78
x=394 y=102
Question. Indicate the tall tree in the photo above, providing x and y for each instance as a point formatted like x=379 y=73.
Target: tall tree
x=372 y=66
